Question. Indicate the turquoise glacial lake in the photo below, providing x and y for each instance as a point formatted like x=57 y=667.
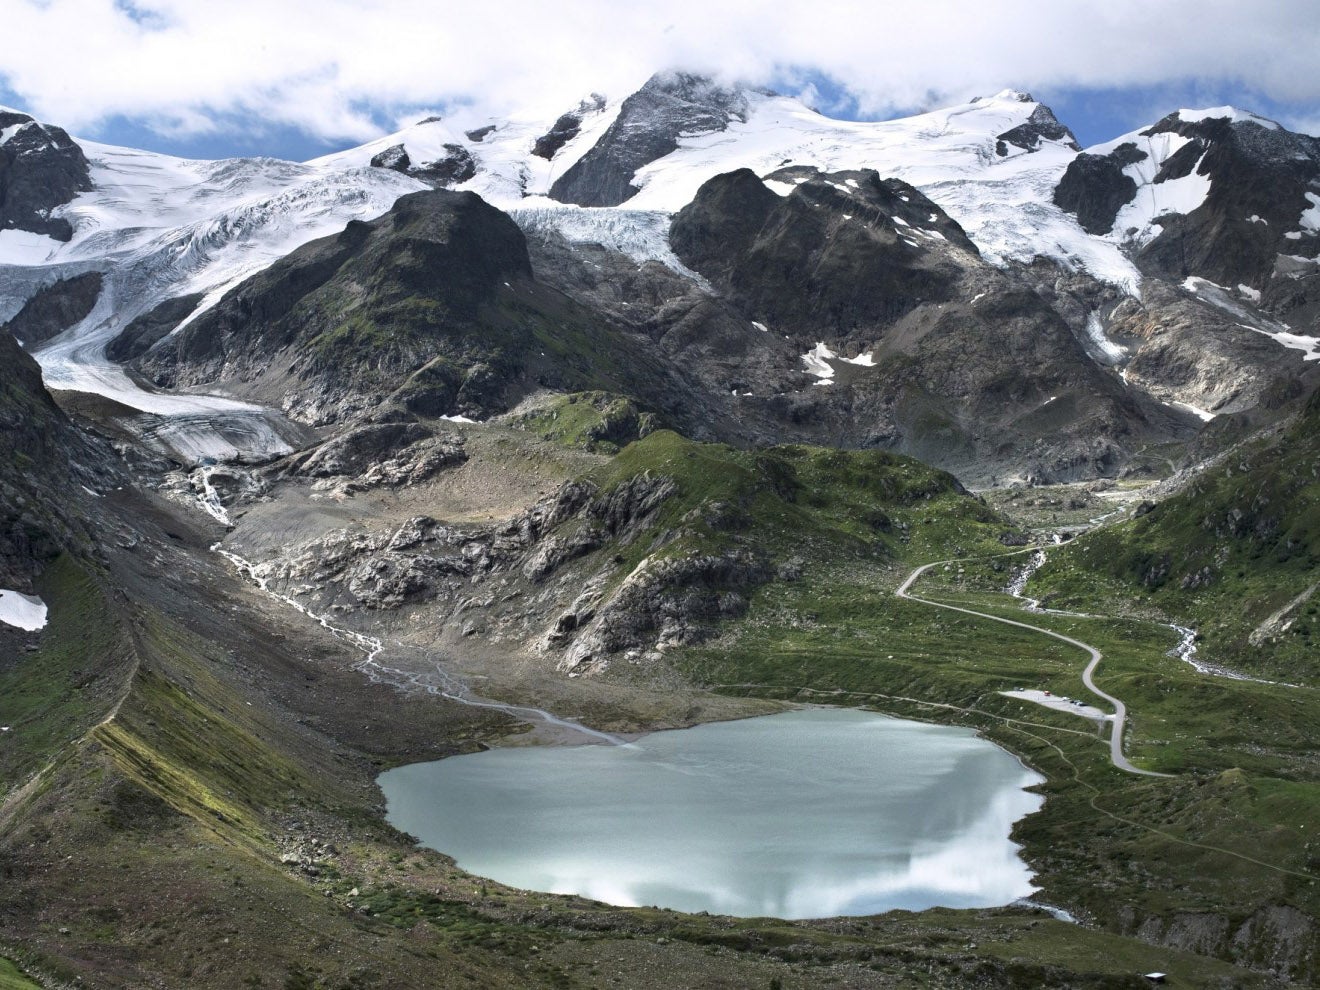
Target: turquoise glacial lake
x=806 y=814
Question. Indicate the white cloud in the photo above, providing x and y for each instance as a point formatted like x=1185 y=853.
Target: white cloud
x=317 y=64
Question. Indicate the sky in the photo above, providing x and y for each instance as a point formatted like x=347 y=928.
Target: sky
x=299 y=78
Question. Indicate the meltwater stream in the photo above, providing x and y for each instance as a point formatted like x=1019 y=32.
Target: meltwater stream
x=436 y=681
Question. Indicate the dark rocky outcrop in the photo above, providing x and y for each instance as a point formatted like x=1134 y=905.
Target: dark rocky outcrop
x=374 y=302
x=145 y=331
x=567 y=127
x=46 y=464
x=1095 y=187
x=395 y=158
x=1041 y=126
x=734 y=206
x=648 y=127
x=457 y=166
x=835 y=256
x=41 y=168
x=1262 y=177
x=56 y=308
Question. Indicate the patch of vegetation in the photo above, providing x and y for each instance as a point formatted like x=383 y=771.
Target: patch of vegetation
x=12 y=978
x=599 y=422
x=1225 y=838
x=72 y=680
x=1235 y=554
x=802 y=501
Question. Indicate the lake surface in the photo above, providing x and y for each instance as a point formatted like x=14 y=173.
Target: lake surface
x=805 y=814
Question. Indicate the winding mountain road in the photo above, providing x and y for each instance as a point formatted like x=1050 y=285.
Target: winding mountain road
x=1120 y=709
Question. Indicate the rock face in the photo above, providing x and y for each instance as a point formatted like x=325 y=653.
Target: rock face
x=1184 y=350
x=40 y=168
x=1095 y=187
x=424 y=560
x=56 y=308
x=42 y=497
x=1254 y=171
x=648 y=127
x=152 y=326
x=456 y=166
x=1262 y=201
x=383 y=454
x=353 y=314
x=567 y=127
x=842 y=253
x=1042 y=125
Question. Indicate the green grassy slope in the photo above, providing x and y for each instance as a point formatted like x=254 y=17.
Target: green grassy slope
x=1236 y=547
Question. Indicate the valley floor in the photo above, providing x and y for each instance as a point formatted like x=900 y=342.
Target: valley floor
x=191 y=777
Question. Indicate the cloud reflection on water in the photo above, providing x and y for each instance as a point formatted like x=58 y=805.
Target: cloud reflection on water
x=808 y=814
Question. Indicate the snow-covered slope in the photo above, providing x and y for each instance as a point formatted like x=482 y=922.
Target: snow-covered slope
x=999 y=191
x=507 y=171
x=160 y=227
x=1002 y=200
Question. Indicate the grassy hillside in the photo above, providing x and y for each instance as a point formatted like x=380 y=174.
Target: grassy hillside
x=221 y=829
x=1236 y=554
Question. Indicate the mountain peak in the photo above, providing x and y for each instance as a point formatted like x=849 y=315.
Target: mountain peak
x=1234 y=115
x=698 y=87
x=670 y=105
x=1006 y=96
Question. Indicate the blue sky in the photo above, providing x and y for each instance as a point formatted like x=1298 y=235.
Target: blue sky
x=299 y=78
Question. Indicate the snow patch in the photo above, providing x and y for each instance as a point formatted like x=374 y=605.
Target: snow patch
x=13 y=129
x=1310 y=220
x=461 y=419
x=760 y=326
x=1153 y=200
x=1293 y=341
x=25 y=612
x=1048 y=700
x=817 y=361
x=1202 y=414
x=24 y=248
x=1105 y=349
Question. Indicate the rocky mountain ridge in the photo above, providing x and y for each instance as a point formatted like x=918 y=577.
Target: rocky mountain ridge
x=801 y=322
x=655 y=148
x=41 y=169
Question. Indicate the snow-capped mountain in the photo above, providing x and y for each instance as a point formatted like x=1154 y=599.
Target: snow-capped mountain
x=158 y=227
x=992 y=163
x=130 y=239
